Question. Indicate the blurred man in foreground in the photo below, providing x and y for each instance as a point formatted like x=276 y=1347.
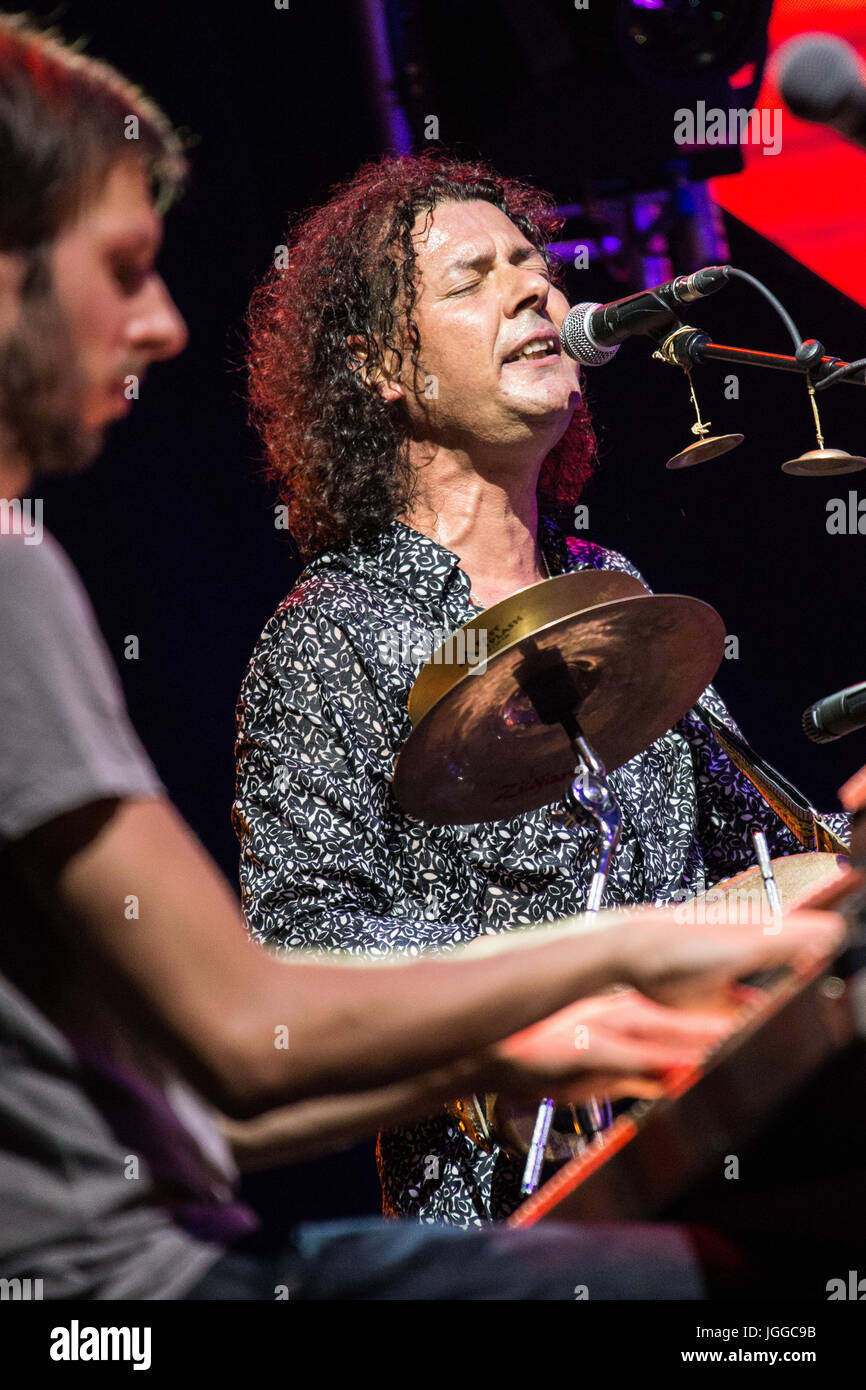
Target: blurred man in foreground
x=132 y=1003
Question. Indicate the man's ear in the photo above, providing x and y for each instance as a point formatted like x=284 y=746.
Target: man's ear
x=385 y=377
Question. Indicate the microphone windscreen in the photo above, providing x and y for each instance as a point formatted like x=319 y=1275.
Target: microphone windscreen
x=818 y=76
x=813 y=729
x=576 y=337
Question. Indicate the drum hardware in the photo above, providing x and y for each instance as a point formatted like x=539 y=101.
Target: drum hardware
x=706 y=446
x=556 y=700
x=818 y=463
x=686 y=346
x=765 y=864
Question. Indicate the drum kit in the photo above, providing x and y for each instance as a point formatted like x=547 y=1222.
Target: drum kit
x=582 y=673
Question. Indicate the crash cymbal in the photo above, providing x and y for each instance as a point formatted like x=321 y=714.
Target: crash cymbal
x=631 y=665
x=511 y=620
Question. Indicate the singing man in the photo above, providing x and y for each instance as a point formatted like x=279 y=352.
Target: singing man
x=426 y=433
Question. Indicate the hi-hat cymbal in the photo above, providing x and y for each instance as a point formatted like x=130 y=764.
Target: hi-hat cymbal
x=634 y=663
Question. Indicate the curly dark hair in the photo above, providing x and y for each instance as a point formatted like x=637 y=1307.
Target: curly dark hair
x=336 y=450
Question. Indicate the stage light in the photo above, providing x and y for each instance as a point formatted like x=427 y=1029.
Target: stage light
x=681 y=38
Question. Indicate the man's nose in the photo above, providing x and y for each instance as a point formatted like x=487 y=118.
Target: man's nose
x=157 y=327
x=528 y=290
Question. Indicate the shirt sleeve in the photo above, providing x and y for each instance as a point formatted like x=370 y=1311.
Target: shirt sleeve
x=312 y=809
x=66 y=738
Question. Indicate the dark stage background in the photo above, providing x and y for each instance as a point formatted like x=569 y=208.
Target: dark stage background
x=173 y=529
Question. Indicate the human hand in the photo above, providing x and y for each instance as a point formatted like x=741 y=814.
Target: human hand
x=695 y=965
x=616 y=1044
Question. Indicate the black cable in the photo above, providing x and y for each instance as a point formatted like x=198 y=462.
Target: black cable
x=840 y=372
x=771 y=299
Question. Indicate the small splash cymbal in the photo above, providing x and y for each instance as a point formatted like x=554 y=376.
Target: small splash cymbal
x=486 y=742
x=702 y=449
x=824 y=463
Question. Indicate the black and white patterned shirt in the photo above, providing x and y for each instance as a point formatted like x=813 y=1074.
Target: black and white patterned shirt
x=329 y=860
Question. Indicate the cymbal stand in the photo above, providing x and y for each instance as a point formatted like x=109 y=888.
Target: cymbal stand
x=588 y=797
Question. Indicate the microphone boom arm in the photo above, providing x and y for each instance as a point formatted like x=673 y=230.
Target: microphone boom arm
x=691 y=347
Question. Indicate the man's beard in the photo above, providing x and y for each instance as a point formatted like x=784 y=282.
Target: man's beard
x=40 y=392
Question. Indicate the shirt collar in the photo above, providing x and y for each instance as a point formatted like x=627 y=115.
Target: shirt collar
x=553 y=541
x=422 y=566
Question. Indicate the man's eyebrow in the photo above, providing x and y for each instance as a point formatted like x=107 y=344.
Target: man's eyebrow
x=517 y=256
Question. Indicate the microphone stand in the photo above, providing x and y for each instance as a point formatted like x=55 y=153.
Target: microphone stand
x=685 y=346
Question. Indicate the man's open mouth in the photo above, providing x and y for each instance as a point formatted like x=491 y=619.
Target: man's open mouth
x=537 y=350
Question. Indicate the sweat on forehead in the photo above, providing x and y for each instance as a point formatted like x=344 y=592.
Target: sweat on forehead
x=450 y=218
x=433 y=237
x=462 y=235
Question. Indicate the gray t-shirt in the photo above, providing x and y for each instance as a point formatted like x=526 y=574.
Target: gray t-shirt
x=75 y=1212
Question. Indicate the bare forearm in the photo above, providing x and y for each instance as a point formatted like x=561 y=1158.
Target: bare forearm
x=255 y=1031
x=366 y=1025
x=331 y=1123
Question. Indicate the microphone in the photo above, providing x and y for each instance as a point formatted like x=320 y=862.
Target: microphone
x=836 y=715
x=820 y=79
x=591 y=333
